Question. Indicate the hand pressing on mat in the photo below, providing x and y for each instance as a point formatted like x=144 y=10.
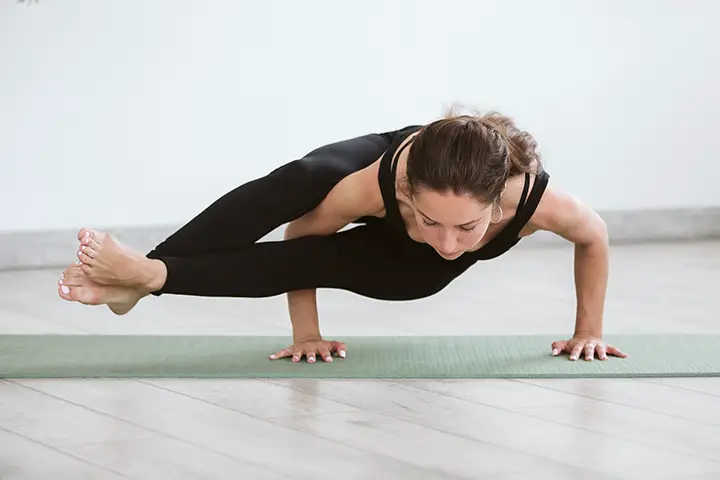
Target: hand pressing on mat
x=311 y=350
x=588 y=346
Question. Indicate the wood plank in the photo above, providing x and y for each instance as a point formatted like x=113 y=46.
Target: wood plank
x=22 y=458
x=598 y=453
x=236 y=434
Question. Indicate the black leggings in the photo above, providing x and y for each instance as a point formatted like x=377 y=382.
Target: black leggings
x=217 y=253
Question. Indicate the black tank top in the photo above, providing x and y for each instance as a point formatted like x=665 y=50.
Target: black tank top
x=507 y=238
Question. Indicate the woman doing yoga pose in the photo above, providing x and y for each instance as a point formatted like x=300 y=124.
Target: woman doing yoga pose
x=427 y=202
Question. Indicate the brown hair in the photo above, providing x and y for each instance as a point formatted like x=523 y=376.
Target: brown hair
x=470 y=155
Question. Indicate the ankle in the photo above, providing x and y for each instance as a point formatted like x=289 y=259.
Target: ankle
x=154 y=275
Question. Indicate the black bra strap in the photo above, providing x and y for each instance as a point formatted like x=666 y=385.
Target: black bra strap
x=527 y=209
x=523 y=197
x=386 y=177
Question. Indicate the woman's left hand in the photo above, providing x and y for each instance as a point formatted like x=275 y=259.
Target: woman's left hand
x=588 y=346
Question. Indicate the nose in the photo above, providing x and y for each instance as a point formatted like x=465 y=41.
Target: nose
x=448 y=244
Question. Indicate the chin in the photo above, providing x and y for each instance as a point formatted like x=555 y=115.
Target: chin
x=454 y=256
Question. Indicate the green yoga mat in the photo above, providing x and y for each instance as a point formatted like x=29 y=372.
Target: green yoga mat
x=522 y=356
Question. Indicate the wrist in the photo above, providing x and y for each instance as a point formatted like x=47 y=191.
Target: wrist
x=588 y=329
x=302 y=337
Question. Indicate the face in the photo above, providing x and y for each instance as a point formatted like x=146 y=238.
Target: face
x=451 y=224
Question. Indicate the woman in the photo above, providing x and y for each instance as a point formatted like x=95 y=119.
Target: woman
x=428 y=202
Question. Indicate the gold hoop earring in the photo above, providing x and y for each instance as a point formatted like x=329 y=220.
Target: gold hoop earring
x=501 y=216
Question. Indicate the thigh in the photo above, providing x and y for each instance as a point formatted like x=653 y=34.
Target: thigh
x=339 y=159
x=251 y=211
x=367 y=260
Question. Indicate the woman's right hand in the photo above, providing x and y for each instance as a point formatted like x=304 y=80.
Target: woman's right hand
x=312 y=349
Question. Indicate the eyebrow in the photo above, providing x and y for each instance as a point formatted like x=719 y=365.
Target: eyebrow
x=462 y=225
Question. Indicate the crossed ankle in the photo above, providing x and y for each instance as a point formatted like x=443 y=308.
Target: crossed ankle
x=153 y=275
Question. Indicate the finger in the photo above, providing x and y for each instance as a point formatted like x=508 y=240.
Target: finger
x=324 y=352
x=558 y=347
x=601 y=350
x=297 y=355
x=340 y=348
x=616 y=351
x=280 y=354
x=575 y=354
x=590 y=351
x=310 y=354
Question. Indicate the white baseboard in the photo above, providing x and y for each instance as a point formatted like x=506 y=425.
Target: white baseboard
x=52 y=249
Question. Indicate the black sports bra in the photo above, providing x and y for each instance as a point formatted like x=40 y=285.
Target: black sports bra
x=507 y=238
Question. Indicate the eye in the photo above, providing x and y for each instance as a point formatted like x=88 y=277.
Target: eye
x=428 y=224
x=468 y=229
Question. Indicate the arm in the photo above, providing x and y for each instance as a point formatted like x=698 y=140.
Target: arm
x=574 y=221
x=353 y=197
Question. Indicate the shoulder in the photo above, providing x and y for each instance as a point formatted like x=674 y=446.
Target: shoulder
x=564 y=214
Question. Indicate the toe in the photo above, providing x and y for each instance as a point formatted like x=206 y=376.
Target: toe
x=85 y=259
x=72 y=279
x=87 y=270
x=88 y=235
x=84 y=233
x=64 y=293
x=88 y=250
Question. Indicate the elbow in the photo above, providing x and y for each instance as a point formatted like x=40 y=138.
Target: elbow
x=602 y=236
x=595 y=236
x=597 y=230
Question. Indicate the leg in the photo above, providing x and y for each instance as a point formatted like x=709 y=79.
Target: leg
x=244 y=215
x=364 y=260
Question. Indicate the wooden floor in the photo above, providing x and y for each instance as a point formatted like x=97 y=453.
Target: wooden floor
x=308 y=429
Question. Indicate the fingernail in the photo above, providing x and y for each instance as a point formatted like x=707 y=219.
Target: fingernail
x=295 y=359
x=65 y=289
x=79 y=253
x=328 y=358
x=342 y=353
x=273 y=357
x=555 y=351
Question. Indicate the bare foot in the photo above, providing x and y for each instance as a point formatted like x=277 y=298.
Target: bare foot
x=106 y=261
x=75 y=286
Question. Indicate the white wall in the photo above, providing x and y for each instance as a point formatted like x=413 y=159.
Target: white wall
x=124 y=113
